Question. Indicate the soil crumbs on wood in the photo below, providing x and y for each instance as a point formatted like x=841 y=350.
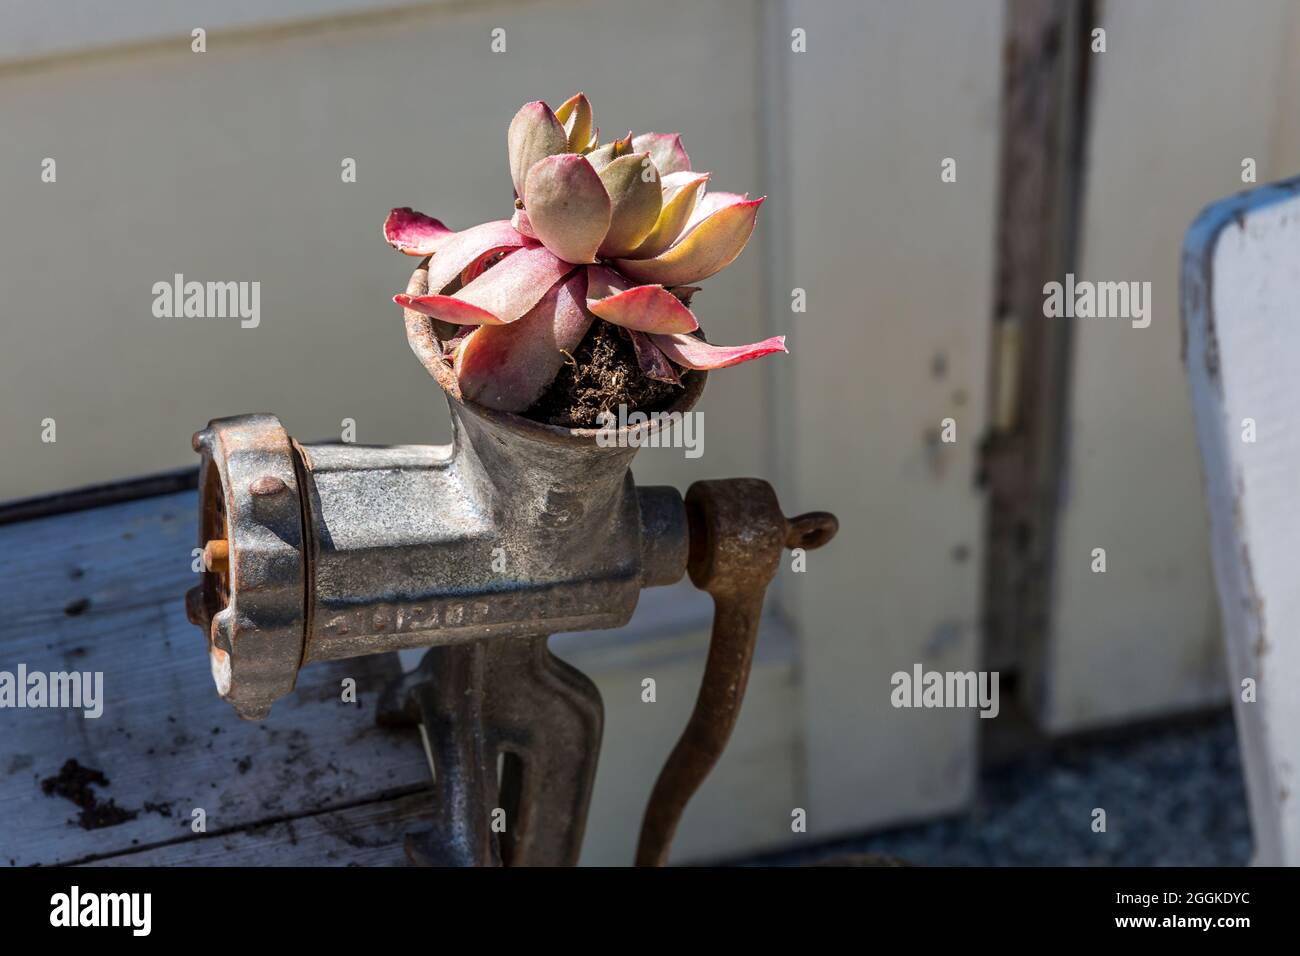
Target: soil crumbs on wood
x=73 y=782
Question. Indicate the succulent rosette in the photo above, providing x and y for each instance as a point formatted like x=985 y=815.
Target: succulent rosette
x=617 y=232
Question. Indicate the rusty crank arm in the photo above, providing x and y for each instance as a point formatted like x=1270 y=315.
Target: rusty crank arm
x=737 y=534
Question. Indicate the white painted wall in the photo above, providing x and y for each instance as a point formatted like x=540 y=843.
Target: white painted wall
x=898 y=271
x=1184 y=91
x=39 y=29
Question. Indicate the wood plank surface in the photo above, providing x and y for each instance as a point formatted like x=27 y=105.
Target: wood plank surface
x=101 y=591
x=370 y=834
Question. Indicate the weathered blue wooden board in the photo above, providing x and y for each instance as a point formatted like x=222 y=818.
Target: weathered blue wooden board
x=101 y=591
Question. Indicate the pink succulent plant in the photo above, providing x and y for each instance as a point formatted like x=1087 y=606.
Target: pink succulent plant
x=615 y=232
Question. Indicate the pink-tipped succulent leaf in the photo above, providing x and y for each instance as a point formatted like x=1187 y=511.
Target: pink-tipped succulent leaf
x=681 y=195
x=602 y=156
x=711 y=203
x=508 y=367
x=644 y=308
x=501 y=295
x=636 y=198
x=691 y=352
x=534 y=134
x=666 y=150
x=568 y=208
x=575 y=116
x=706 y=249
x=523 y=225
x=466 y=250
x=414 y=233
x=631 y=211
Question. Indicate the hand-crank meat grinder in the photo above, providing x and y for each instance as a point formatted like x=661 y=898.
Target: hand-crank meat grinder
x=320 y=552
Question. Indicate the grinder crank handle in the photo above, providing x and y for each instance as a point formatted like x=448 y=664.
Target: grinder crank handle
x=737 y=534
